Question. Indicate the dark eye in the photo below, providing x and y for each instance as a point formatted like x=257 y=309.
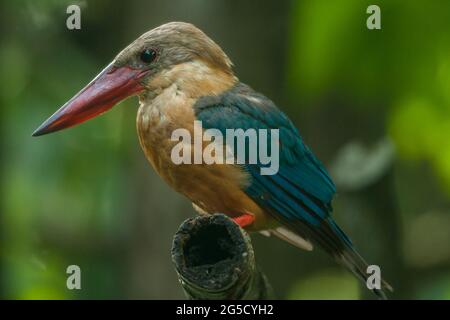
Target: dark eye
x=148 y=55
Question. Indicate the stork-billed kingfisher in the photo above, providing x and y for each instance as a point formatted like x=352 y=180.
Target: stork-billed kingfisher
x=181 y=76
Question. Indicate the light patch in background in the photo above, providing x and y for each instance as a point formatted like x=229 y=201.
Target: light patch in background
x=420 y=129
x=427 y=239
x=326 y=285
x=357 y=166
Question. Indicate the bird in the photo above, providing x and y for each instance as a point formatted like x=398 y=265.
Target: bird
x=182 y=76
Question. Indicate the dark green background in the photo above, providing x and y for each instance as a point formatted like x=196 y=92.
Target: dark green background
x=372 y=104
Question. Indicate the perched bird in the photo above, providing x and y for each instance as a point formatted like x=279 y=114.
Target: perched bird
x=181 y=76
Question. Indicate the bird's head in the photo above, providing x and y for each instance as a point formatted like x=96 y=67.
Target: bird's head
x=175 y=52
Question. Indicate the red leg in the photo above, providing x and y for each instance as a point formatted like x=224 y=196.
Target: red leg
x=244 y=220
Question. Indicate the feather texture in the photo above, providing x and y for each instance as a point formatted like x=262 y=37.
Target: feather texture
x=298 y=196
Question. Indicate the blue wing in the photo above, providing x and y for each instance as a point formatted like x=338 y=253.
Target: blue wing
x=302 y=190
x=299 y=196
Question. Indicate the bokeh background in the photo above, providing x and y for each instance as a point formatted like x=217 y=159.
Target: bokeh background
x=374 y=105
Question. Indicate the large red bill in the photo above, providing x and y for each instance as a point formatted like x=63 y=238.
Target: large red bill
x=109 y=87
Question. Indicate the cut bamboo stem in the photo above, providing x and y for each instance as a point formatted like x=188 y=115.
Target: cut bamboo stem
x=214 y=259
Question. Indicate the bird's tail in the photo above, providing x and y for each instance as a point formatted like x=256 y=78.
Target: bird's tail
x=332 y=239
x=352 y=260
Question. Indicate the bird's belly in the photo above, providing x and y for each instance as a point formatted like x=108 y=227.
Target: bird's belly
x=215 y=188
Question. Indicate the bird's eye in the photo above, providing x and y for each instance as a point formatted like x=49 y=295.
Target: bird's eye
x=148 y=55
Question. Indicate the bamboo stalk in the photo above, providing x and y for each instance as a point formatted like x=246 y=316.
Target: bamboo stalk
x=214 y=259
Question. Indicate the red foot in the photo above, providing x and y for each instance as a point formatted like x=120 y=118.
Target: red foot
x=244 y=220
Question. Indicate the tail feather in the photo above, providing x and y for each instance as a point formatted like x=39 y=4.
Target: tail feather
x=353 y=261
x=292 y=238
x=333 y=240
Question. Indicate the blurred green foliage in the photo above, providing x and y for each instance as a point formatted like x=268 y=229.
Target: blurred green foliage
x=86 y=196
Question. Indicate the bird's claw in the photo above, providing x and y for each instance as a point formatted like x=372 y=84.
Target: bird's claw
x=244 y=220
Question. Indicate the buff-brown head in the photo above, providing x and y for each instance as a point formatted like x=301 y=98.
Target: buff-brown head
x=147 y=64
